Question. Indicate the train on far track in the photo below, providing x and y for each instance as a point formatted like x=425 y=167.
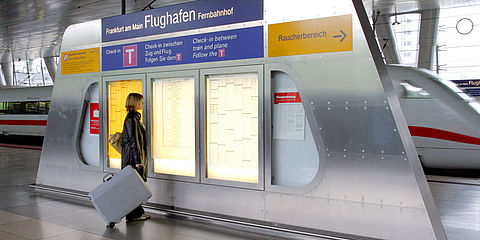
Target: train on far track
x=443 y=120
x=24 y=110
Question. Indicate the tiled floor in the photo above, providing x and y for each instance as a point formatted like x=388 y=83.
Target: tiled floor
x=25 y=214
x=459 y=207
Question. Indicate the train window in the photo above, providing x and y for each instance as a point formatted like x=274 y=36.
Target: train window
x=117 y=95
x=34 y=107
x=31 y=107
x=16 y=108
x=414 y=92
x=3 y=107
x=173 y=126
x=232 y=142
x=43 y=107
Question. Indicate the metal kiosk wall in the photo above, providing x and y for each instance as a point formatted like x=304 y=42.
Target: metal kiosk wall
x=214 y=86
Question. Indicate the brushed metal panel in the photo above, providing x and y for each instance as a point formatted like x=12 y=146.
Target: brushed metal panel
x=350 y=177
x=61 y=164
x=216 y=199
x=357 y=218
x=162 y=191
x=224 y=200
x=82 y=35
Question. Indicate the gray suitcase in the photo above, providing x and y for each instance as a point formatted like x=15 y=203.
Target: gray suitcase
x=119 y=195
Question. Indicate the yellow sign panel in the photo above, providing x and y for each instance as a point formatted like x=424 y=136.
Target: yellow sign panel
x=81 y=61
x=331 y=34
x=117 y=96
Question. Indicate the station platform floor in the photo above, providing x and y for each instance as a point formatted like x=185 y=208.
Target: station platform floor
x=26 y=214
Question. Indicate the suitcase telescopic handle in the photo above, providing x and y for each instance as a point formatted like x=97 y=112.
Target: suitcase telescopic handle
x=107 y=177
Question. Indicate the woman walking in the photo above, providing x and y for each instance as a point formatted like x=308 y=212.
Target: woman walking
x=134 y=149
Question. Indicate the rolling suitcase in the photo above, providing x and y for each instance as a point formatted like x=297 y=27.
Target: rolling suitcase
x=119 y=195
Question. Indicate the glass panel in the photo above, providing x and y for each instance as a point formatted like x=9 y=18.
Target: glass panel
x=406 y=28
x=46 y=75
x=232 y=127
x=458 y=43
x=31 y=107
x=22 y=77
x=24 y=107
x=117 y=95
x=173 y=126
x=3 y=107
x=89 y=138
x=16 y=108
x=35 y=72
x=411 y=91
x=295 y=158
x=32 y=72
x=44 y=107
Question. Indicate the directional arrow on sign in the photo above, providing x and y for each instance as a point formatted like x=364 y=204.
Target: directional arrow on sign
x=343 y=36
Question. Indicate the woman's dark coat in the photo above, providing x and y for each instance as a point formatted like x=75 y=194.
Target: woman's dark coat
x=134 y=149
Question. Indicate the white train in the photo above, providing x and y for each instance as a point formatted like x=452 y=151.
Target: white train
x=24 y=111
x=443 y=121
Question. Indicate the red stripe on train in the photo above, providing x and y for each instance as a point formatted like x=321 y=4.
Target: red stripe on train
x=24 y=122
x=20 y=146
x=414 y=131
x=443 y=135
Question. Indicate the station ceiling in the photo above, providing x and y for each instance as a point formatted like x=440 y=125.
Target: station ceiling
x=34 y=28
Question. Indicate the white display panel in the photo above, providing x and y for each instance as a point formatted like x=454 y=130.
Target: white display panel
x=232 y=127
x=173 y=126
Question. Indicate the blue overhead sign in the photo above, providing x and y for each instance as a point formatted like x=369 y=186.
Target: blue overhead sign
x=180 y=17
x=471 y=87
x=216 y=46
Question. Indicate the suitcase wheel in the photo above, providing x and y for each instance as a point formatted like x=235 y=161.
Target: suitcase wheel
x=111 y=225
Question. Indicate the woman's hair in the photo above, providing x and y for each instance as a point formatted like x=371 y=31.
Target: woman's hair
x=132 y=101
